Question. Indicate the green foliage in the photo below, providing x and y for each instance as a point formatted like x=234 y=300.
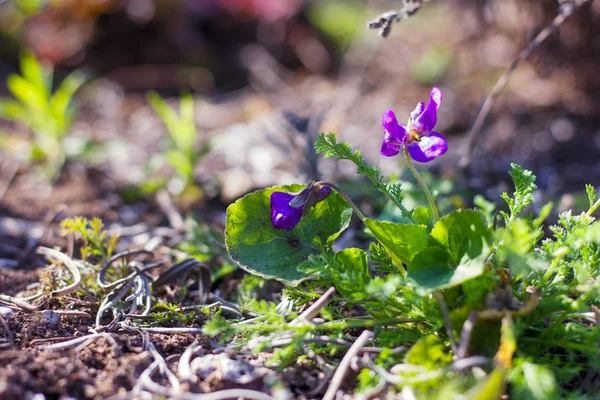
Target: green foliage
x=491 y=388
x=429 y=352
x=48 y=114
x=381 y=259
x=458 y=247
x=536 y=382
x=183 y=154
x=97 y=242
x=258 y=247
x=206 y=243
x=402 y=241
x=32 y=7
x=351 y=273
x=528 y=300
x=173 y=315
x=525 y=186
x=339 y=20
x=329 y=147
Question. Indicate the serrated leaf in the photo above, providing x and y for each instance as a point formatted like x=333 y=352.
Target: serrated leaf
x=353 y=272
x=403 y=241
x=256 y=246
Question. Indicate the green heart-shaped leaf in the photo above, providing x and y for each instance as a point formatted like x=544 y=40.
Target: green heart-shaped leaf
x=260 y=249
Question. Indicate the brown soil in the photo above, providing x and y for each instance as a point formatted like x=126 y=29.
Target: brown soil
x=96 y=371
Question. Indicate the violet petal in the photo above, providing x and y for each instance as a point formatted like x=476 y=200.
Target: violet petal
x=426 y=121
x=394 y=134
x=324 y=192
x=417 y=111
x=282 y=215
x=430 y=147
x=392 y=128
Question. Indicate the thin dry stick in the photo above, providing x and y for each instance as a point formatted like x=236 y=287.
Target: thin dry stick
x=342 y=369
x=111 y=300
x=164 y=201
x=385 y=21
x=172 y=331
x=70 y=264
x=184 y=371
x=88 y=339
x=447 y=321
x=120 y=256
x=566 y=10
x=467 y=363
x=465 y=335
x=317 y=306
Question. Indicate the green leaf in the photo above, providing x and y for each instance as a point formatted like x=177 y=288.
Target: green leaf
x=463 y=231
x=182 y=128
x=353 y=273
x=525 y=187
x=592 y=195
x=164 y=111
x=33 y=71
x=61 y=99
x=429 y=352
x=12 y=110
x=433 y=269
x=403 y=241
x=536 y=382
x=181 y=164
x=256 y=246
x=27 y=93
x=493 y=387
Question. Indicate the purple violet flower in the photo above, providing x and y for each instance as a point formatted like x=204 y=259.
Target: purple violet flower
x=287 y=208
x=422 y=143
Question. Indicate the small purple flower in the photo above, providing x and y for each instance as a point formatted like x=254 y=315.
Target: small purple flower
x=422 y=143
x=287 y=208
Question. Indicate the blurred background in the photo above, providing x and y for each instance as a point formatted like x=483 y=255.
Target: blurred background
x=266 y=76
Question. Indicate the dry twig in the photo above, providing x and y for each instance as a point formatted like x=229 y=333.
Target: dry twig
x=342 y=369
x=314 y=309
x=385 y=21
x=447 y=320
x=567 y=8
x=465 y=335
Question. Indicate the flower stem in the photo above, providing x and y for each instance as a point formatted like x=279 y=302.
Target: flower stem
x=398 y=204
x=434 y=210
x=593 y=208
x=347 y=198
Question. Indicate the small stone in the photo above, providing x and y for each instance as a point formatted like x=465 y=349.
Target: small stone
x=6 y=312
x=51 y=318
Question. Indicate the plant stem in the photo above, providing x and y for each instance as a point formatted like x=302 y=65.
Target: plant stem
x=434 y=210
x=347 y=198
x=365 y=323
x=593 y=208
x=398 y=204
